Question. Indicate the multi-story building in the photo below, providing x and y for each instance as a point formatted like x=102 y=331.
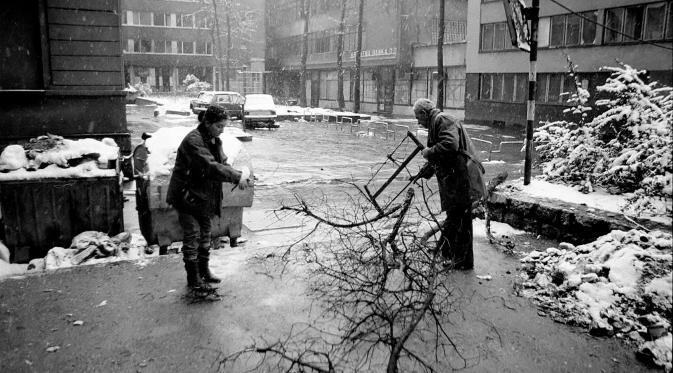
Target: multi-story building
x=636 y=32
x=399 y=52
x=165 y=40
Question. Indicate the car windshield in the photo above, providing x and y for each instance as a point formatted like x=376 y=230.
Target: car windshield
x=228 y=99
x=205 y=96
x=259 y=101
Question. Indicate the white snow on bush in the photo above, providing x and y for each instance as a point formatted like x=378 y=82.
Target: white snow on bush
x=619 y=284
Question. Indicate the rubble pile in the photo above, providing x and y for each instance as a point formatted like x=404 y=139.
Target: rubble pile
x=93 y=247
x=619 y=285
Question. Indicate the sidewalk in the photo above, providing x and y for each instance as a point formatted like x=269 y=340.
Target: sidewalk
x=136 y=316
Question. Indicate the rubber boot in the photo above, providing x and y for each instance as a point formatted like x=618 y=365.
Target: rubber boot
x=194 y=281
x=204 y=270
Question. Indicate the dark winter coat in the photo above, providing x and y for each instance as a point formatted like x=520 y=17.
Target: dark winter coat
x=200 y=169
x=447 y=163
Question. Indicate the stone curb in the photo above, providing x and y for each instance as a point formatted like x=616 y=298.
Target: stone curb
x=561 y=220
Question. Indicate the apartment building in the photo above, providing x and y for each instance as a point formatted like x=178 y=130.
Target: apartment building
x=399 y=52
x=166 y=40
x=638 y=33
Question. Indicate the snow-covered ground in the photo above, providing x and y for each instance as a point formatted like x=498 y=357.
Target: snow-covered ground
x=618 y=285
x=597 y=199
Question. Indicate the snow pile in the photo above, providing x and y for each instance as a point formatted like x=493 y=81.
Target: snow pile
x=89 y=247
x=618 y=285
x=164 y=143
x=55 y=157
x=92 y=247
x=626 y=149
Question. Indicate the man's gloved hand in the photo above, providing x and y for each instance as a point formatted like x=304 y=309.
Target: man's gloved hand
x=245 y=181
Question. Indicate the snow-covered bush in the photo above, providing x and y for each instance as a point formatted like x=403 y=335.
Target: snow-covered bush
x=626 y=149
x=190 y=79
x=199 y=86
x=143 y=89
x=194 y=84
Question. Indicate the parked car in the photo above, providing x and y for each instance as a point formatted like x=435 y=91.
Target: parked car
x=259 y=111
x=231 y=102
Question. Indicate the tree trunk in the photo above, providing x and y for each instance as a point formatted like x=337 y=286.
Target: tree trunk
x=304 y=54
x=219 y=44
x=440 y=57
x=340 y=53
x=228 y=47
x=358 y=60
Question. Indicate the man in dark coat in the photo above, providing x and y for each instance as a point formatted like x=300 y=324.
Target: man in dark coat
x=450 y=166
x=195 y=190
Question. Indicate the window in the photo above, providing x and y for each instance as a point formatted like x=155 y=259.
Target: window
x=201 y=20
x=572 y=29
x=635 y=23
x=550 y=87
x=557 y=30
x=508 y=93
x=188 y=47
x=142 y=18
x=487 y=37
x=188 y=20
x=485 y=87
x=496 y=87
x=495 y=37
x=160 y=46
x=573 y=26
x=499 y=34
x=589 y=27
x=145 y=46
x=160 y=19
x=669 y=24
x=655 y=20
x=521 y=94
x=613 y=23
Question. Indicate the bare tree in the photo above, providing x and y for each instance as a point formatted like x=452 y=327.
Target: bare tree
x=384 y=294
x=358 y=59
x=340 y=55
x=304 y=53
x=440 y=56
x=215 y=35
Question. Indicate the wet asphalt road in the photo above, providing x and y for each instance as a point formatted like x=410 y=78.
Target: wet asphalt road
x=148 y=324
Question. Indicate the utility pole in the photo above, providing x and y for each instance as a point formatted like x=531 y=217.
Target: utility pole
x=533 y=15
x=517 y=16
x=440 y=56
x=304 y=53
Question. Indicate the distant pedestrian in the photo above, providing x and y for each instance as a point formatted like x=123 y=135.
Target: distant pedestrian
x=195 y=190
x=449 y=164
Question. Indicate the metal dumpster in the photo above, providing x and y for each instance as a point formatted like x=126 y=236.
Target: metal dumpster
x=159 y=221
x=42 y=213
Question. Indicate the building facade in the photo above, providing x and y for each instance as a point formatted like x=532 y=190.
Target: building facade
x=164 y=41
x=398 y=60
x=61 y=71
x=638 y=33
